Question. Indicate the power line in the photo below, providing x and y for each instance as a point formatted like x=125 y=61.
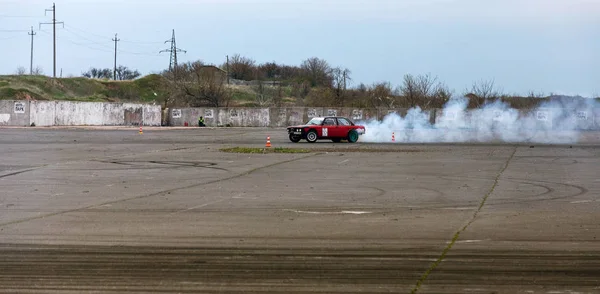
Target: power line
x=104 y=37
x=86 y=32
x=13 y=31
x=104 y=48
x=53 y=23
x=17 y=16
x=141 y=42
x=11 y=37
x=31 y=61
x=79 y=44
x=104 y=44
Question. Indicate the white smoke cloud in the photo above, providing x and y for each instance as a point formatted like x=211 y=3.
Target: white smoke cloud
x=555 y=121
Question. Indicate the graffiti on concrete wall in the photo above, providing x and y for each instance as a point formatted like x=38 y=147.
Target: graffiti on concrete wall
x=311 y=112
x=582 y=115
x=208 y=113
x=295 y=115
x=332 y=112
x=176 y=113
x=19 y=107
x=357 y=114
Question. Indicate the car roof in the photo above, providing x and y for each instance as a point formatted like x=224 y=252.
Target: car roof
x=324 y=117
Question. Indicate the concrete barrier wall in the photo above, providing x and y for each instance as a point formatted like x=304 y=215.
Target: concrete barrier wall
x=14 y=113
x=43 y=113
x=68 y=113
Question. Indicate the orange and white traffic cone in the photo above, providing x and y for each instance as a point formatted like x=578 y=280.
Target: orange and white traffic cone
x=393 y=137
x=268 y=142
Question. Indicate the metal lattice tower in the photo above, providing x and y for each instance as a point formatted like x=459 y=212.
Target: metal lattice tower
x=173 y=50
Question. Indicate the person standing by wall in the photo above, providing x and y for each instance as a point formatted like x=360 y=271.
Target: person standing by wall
x=201 y=122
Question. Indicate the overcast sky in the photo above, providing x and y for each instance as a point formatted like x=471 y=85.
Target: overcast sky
x=549 y=46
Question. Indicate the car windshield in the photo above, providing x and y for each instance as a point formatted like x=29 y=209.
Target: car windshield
x=315 y=121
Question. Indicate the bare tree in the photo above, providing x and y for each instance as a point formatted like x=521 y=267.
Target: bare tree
x=98 y=73
x=340 y=78
x=410 y=90
x=124 y=73
x=533 y=94
x=263 y=97
x=38 y=71
x=481 y=92
x=382 y=94
x=270 y=70
x=424 y=91
x=203 y=85
x=440 y=97
x=241 y=68
x=21 y=71
x=278 y=97
x=317 y=72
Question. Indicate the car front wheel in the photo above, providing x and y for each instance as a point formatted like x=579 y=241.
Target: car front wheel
x=311 y=136
x=295 y=138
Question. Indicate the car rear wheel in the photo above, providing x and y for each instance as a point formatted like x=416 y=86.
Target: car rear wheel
x=352 y=136
x=312 y=136
x=295 y=138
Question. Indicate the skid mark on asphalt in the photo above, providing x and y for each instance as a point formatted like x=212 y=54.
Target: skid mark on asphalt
x=156 y=193
x=549 y=187
x=20 y=172
x=457 y=234
x=94 y=159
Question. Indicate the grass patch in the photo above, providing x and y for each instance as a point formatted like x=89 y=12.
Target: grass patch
x=242 y=96
x=250 y=150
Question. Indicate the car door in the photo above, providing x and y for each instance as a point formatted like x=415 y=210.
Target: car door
x=344 y=126
x=329 y=127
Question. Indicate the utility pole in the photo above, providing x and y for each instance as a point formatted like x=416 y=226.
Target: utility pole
x=31 y=61
x=53 y=23
x=227 y=69
x=115 y=68
x=173 y=50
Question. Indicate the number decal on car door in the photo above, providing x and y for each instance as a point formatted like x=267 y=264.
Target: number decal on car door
x=325 y=132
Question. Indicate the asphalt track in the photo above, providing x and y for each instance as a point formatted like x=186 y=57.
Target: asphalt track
x=97 y=210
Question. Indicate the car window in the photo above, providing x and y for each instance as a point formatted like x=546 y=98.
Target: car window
x=344 y=122
x=315 y=121
x=329 y=122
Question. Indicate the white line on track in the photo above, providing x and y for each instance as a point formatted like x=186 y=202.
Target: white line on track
x=581 y=201
x=199 y=206
x=331 y=212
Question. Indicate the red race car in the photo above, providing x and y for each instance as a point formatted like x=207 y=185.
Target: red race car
x=335 y=128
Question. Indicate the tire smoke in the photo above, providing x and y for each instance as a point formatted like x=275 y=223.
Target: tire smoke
x=553 y=121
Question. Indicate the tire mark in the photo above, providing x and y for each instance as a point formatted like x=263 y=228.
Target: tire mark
x=158 y=193
x=581 y=190
x=457 y=234
x=21 y=171
x=140 y=165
